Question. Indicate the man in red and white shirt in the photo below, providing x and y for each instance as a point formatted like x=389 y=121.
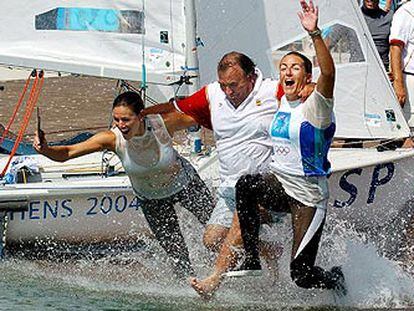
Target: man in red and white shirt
x=402 y=65
x=402 y=58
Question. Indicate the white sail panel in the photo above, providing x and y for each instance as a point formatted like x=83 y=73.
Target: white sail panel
x=100 y=38
x=365 y=103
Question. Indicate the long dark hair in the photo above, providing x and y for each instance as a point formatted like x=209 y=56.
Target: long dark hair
x=129 y=99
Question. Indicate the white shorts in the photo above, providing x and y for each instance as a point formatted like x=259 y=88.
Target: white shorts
x=224 y=210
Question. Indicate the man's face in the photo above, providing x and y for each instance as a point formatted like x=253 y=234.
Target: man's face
x=236 y=84
x=371 y=4
x=293 y=76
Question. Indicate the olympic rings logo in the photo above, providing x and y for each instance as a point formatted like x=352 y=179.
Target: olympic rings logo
x=281 y=150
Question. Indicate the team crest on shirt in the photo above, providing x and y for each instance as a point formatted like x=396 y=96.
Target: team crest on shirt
x=280 y=125
x=258 y=102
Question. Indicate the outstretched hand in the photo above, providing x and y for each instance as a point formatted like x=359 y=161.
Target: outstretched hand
x=143 y=113
x=306 y=91
x=39 y=141
x=309 y=15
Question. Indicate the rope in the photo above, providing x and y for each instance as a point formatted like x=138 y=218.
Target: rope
x=31 y=103
x=17 y=107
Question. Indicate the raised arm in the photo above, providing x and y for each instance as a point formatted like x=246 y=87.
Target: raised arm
x=98 y=142
x=309 y=20
x=397 y=72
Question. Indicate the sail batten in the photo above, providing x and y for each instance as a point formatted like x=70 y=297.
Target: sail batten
x=89 y=69
x=99 y=38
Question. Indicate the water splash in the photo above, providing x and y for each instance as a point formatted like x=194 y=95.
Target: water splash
x=144 y=278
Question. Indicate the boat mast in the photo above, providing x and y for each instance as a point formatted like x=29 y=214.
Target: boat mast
x=192 y=70
x=191 y=45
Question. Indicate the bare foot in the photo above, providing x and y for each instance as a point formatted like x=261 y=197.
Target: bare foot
x=408 y=143
x=207 y=287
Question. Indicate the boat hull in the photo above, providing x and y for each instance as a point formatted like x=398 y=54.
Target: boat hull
x=367 y=189
x=97 y=216
x=372 y=189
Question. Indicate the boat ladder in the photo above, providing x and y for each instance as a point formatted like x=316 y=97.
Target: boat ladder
x=5 y=207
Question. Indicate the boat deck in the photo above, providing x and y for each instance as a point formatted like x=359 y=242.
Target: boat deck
x=349 y=158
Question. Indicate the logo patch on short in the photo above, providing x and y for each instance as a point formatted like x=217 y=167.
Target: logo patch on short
x=280 y=125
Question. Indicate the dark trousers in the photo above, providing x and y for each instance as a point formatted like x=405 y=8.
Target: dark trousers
x=267 y=192
x=163 y=221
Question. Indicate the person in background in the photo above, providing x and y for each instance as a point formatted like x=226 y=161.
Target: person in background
x=379 y=24
x=402 y=66
x=159 y=176
x=296 y=182
x=402 y=58
x=389 y=5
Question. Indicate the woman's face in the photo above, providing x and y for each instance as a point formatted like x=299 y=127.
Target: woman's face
x=126 y=120
x=293 y=76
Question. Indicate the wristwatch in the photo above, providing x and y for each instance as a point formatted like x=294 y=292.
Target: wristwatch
x=315 y=33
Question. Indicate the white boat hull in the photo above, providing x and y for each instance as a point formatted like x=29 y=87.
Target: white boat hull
x=90 y=213
x=368 y=189
x=78 y=208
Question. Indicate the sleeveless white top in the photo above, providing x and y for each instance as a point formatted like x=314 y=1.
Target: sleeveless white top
x=154 y=167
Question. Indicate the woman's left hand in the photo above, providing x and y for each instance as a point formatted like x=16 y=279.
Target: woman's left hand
x=307 y=91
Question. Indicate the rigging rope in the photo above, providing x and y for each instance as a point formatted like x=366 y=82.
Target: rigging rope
x=31 y=103
x=17 y=107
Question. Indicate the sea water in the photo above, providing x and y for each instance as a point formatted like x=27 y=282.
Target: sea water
x=144 y=280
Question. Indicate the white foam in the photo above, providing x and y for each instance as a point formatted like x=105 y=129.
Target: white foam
x=373 y=281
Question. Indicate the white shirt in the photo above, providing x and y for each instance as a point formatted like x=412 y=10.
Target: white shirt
x=301 y=135
x=402 y=29
x=242 y=139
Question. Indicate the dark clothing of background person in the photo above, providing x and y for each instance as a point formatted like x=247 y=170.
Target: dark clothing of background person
x=379 y=24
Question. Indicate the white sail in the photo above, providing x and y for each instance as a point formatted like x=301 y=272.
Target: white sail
x=100 y=37
x=366 y=106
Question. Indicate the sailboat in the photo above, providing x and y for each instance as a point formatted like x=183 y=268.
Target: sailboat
x=159 y=42
x=76 y=202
